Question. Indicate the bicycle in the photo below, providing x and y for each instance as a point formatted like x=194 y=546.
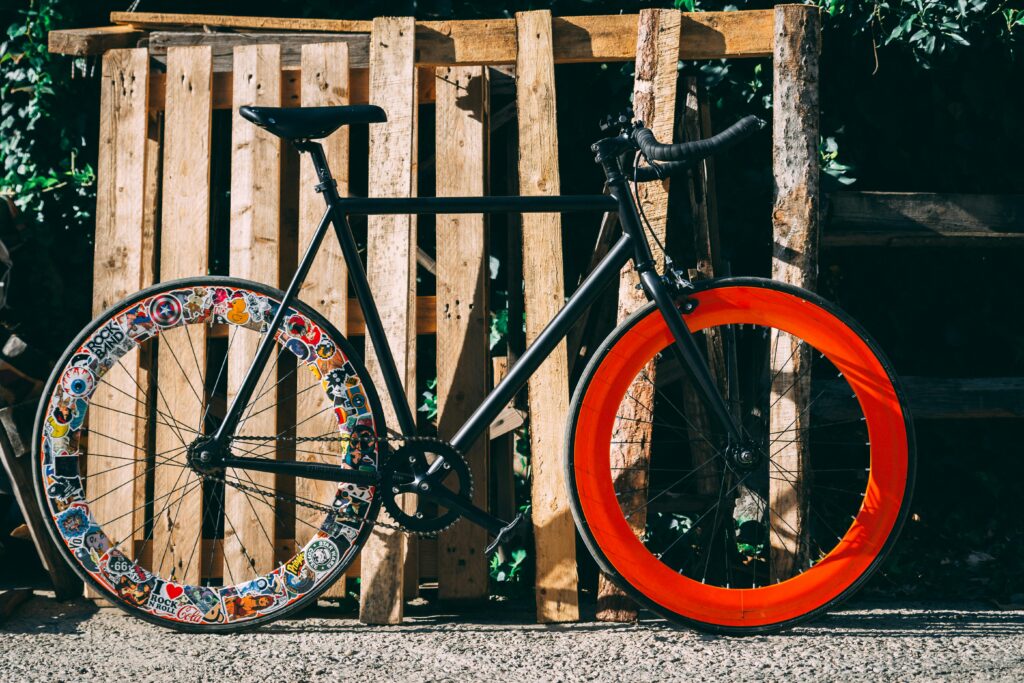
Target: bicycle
x=745 y=512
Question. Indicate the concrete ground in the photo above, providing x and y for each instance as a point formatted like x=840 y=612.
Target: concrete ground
x=46 y=640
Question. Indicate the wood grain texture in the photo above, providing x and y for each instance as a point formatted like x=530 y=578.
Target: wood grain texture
x=182 y=351
x=292 y=45
x=462 y=131
x=544 y=289
x=609 y=38
x=325 y=69
x=854 y=219
x=391 y=270
x=83 y=42
x=654 y=103
x=291 y=88
x=795 y=261
x=118 y=267
x=255 y=243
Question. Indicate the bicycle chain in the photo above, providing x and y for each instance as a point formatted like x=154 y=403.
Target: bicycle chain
x=327 y=508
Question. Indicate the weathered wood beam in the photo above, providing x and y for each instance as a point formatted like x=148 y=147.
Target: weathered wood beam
x=654 y=102
x=794 y=261
x=325 y=80
x=83 y=42
x=554 y=533
x=291 y=88
x=291 y=44
x=463 y=137
x=610 y=38
x=932 y=398
x=861 y=219
x=391 y=271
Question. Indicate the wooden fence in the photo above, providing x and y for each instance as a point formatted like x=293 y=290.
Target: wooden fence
x=162 y=79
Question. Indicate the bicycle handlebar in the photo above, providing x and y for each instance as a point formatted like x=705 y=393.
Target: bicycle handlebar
x=681 y=154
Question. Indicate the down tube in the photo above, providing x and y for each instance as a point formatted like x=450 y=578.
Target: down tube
x=542 y=347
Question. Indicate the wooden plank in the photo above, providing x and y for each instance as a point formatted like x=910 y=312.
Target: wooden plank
x=255 y=240
x=150 y=226
x=391 y=270
x=608 y=38
x=794 y=261
x=117 y=272
x=18 y=466
x=182 y=352
x=325 y=69
x=292 y=44
x=857 y=219
x=554 y=532
x=291 y=88
x=654 y=103
x=463 y=132
x=83 y=42
x=932 y=398
x=502 y=492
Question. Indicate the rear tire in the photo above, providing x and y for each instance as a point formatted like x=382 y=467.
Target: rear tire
x=106 y=543
x=730 y=574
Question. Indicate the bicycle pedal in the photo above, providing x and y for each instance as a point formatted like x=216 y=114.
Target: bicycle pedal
x=506 y=533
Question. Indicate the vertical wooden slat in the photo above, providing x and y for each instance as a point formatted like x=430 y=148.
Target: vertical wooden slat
x=462 y=331
x=325 y=82
x=654 y=103
x=554 y=533
x=150 y=221
x=182 y=352
x=255 y=239
x=119 y=259
x=500 y=456
x=391 y=263
x=795 y=261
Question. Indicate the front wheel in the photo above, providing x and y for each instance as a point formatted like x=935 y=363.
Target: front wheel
x=753 y=537
x=133 y=509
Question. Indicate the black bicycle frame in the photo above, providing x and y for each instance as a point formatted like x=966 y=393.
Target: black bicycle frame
x=631 y=245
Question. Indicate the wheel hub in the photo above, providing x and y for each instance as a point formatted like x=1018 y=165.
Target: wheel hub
x=203 y=455
x=745 y=457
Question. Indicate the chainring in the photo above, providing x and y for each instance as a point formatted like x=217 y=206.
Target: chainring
x=398 y=473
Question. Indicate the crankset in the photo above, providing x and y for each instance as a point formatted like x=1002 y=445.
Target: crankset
x=446 y=467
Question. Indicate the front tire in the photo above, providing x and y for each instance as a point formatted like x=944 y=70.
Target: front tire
x=708 y=549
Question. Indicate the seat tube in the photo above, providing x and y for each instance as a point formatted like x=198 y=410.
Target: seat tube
x=357 y=278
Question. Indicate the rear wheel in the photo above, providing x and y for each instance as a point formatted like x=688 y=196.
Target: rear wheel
x=753 y=537
x=130 y=506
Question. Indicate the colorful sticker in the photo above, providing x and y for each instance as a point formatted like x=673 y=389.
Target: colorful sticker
x=65 y=421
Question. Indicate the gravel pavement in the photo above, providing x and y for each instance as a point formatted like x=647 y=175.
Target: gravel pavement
x=46 y=640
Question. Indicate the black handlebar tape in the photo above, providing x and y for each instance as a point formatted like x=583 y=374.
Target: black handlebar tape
x=698 y=149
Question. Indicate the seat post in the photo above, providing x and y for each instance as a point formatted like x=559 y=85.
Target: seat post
x=327 y=185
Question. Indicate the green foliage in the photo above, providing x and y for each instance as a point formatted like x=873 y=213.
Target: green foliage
x=429 y=404
x=40 y=155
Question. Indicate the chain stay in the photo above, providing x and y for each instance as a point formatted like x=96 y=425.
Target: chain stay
x=327 y=508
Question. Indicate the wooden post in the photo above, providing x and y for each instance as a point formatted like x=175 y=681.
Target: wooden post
x=255 y=244
x=462 y=310
x=654 y=102
x=186 y=214
x=554 y=533
x=391 y=269
x=795 y=261
x=119 y=259
x=325 y=82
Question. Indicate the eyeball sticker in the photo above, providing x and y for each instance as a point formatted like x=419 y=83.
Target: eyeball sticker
x=78 y=381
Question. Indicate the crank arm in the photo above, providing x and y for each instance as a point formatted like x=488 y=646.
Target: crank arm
x=305 y=470
x=451 y=500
